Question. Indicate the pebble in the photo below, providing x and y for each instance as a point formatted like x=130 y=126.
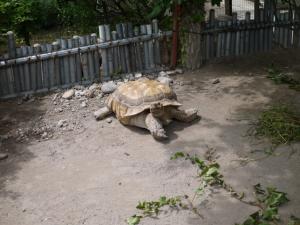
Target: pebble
x=180 y=71
x=185 y=82
x=108 y=87
x=68 y=94
x=138 y=75
x=3 y=156
x=216 y=81
x=162 y=74
x=94 y=87
x=62 y=123
x=83 y=105
x=57 y=110
x=109 y=120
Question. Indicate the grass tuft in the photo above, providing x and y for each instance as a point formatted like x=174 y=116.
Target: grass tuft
x=280 y=77
x=280 y=124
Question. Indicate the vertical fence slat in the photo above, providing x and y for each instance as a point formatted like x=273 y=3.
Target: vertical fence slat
x=138 y=52
x=77 y=58
x=96 y=58
x=146 y=49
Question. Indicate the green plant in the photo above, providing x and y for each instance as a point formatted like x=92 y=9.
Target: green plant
x=268 y=200
x=280 y=77
x=150 y=208
x=280 y=124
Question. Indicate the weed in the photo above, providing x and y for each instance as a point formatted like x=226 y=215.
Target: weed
x=150 y=208
x=280 y=124
x=268 y=200
x=283 y=78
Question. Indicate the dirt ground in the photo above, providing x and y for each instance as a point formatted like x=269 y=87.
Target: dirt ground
x=89 y=172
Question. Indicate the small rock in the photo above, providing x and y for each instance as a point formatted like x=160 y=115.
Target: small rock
x=180 y=71
x=62 y=123
x=79 y=93
x=100 y=96
x=89 y=93
x=54 y=103
x=108 y=87
x=185 y=82
x=54 y=97
x=109 y=120
x=44 y=135
x=79 y=87
x=3 y=156
x=126 y=80
x=138 y=75
x=57 y=110
x=162 y=74
x=83 y=105
x=68 y=94
x=94 y=87
x=216 y=81
x=130 y=77
x=171 y=72
x=165 y=80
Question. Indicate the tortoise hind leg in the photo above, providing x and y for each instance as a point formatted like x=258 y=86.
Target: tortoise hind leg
x=184 y=115
x=154 y=125
x=102 y=113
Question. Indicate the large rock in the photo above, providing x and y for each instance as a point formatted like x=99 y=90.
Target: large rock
x=68 y=94
x=108 y=87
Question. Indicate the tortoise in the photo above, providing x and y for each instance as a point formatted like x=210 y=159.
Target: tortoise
x=147 y=104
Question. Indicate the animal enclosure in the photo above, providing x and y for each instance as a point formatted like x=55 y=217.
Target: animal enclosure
x=77 y=60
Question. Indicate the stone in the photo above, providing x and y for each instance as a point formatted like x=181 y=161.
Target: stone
x=138 y=75
x=108 y=87
x=79 y=87
x=83 y=105
x=68 y=94
x=89 y=93
x=94 y=86
x=165 y=80
x=185 y=82
x=171 y=72
x=162 y=74
x=62 y=123
x=44 y=135
x=216 y=81
x=109 y=120
x=180 y=71
x=57 y=110
x=3 y=156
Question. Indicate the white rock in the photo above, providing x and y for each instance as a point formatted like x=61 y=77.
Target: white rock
x=94 y=86
x=162 y=74
x=78 y=94
x=62 y=123
x=89 y=93
x=171 y=72
x=109 y=120
x=57 y=110
x=138 y=75
x=83 y=105
x=108 y=87
x=165 y=80
x=180 y=71
x=68 y=94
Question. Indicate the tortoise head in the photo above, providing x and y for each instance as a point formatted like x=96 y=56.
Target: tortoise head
x=157 y=109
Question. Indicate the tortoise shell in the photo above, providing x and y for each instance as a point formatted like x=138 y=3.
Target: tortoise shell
x=135 y=97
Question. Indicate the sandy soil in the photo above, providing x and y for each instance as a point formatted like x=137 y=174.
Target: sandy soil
x=96 y=172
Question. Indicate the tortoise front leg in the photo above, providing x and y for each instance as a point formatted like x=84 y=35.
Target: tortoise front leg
x=184 y=115
x=102 y=113
x=154 y=125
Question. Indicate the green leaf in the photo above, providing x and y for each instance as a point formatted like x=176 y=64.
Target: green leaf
x=134 y=220
x=178 y=155
x=294 y=221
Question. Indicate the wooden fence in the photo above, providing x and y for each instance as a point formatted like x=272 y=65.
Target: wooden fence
x=241 y=37
x=77 y=60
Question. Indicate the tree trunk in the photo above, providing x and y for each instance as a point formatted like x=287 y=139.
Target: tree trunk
x=191 y=38
x=192 y=49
